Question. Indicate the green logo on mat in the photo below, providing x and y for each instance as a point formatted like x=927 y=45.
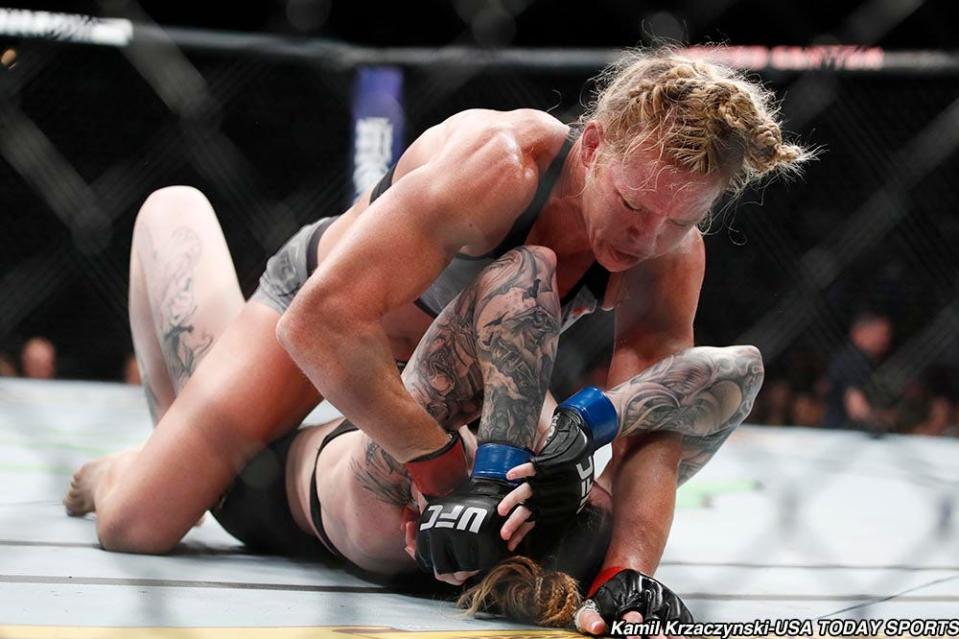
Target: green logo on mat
x=699 y=493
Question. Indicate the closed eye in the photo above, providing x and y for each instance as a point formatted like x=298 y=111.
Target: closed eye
x=629 y=206
x=679 y=223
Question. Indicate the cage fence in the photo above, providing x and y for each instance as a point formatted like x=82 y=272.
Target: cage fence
x=268 y=130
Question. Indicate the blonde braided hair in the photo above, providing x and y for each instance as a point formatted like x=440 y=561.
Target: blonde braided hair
x=521 y=589
x=701 y=117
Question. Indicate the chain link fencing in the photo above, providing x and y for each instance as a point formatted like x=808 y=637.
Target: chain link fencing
x=263 y=128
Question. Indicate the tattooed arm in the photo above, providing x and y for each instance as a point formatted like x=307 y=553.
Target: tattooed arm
x=517 y=327
x=489 y=352
x=701 y=393
x=392 y=252
x=673 y=417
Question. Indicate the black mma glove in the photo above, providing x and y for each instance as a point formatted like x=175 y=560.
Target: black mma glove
x=629 y=590
x=460 y=532
x=564 y=467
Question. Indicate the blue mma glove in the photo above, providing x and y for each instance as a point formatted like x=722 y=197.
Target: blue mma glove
x=460 y=532
x=564 y=467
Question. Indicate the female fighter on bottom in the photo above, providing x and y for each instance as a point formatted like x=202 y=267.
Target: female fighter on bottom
x=507 y=226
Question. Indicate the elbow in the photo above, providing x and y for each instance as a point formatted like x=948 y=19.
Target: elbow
x=288 y=332
x=121 y=532
x=754 y=371
x=751 y=372
x=298 y=325
x=316 y=326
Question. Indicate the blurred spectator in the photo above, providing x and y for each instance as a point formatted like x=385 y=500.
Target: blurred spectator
x=927 y=407
x=131 y=371
x=940 y=419
x=853 y=399
x=7 y=367
x=913 y=408
x=38 y=359
x=807 y=410
x=773 y=404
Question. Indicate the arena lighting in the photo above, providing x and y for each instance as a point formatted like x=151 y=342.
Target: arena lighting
x=122 y=33
x=66 y=27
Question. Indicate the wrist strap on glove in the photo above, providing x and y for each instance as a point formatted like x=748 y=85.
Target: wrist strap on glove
x=597 y=411
x=604 y=575
x=494 y=460
x=439 y=473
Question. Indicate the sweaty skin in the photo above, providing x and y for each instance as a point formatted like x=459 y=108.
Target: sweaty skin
x=638 y=218
x=458 y=188
x=622 y=214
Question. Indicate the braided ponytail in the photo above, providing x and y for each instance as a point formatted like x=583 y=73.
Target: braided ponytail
x=701 y=117
x=521 y=589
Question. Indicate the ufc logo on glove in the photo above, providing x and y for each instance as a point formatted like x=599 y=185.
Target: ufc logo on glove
x=456 y=517
x=585 y=471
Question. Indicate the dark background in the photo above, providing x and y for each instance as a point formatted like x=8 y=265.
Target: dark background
x=912 y=24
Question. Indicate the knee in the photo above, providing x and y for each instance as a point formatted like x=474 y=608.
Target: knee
x=171 y=200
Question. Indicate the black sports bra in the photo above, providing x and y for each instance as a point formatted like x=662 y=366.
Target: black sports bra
x=583 y=298
x=315 y=512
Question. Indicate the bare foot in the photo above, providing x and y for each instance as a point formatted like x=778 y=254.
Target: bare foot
x=79 y=498
x=83 y=485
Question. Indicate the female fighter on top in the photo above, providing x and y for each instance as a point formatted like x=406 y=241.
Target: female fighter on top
x=492 y=233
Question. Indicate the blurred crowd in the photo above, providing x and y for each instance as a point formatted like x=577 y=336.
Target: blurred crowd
x=852 y=390
x=36 y=358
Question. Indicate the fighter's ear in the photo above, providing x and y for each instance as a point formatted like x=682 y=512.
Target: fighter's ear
x=592 y=139
x=410 y=519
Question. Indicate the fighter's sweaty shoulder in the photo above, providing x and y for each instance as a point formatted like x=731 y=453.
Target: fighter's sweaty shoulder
x=483 y=147
x=487 y=149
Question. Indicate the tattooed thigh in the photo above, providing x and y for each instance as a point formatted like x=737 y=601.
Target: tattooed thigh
x=174 y=300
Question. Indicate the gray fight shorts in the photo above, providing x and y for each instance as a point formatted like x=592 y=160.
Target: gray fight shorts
x=288 y=269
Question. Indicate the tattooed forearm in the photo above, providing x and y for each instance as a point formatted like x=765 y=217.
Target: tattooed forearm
x=703 y=393
x=517 y=326
x=491 y=351
x=182 y=347
x=443 y=374
x=379 y=473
